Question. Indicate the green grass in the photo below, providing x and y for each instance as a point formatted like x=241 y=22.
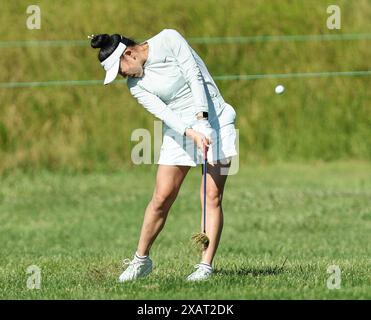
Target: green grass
x=78 y=227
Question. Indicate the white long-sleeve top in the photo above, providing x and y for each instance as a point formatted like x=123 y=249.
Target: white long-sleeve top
x=175 y=82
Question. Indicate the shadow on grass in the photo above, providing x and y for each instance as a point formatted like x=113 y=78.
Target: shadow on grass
x=251 y=271
x=102 y=273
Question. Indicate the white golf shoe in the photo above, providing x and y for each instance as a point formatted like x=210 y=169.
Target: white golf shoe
x=203 y=272
x=137 y=268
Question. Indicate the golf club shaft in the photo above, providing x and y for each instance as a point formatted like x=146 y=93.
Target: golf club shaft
x=205 y=172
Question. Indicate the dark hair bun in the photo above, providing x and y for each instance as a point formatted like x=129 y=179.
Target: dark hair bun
x=101 y=41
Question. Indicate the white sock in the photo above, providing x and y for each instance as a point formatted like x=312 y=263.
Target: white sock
x=140 y=257
x=206 y=264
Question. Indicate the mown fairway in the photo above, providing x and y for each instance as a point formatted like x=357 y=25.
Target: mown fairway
x=77 y=228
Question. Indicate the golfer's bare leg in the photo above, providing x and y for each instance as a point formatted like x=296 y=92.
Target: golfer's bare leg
x=215 y=182
x=168 y=182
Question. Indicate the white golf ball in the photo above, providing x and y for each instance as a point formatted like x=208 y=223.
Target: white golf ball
x=280 y=89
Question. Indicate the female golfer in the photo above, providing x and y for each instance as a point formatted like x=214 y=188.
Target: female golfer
x=171 y=81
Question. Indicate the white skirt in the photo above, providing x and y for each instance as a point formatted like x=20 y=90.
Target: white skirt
x=181 y=150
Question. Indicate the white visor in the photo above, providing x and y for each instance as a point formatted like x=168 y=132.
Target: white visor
x=112 y=63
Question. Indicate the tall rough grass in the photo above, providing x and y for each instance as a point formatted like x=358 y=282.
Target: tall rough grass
x=89 y=127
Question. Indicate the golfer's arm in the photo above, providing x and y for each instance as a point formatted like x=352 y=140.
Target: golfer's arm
x=188 y=65
x=158 y=108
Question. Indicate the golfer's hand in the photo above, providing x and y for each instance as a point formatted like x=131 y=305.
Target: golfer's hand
x=203 y=126
x=200 y=139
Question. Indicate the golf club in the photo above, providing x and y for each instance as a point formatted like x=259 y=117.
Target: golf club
x=201 y=240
